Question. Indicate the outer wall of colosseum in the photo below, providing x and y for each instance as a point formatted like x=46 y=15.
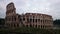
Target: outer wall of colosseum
x=35 y=20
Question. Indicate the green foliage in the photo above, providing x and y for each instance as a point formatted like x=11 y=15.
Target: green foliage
x=2 y=21
x=30 y=30
x=57 y=22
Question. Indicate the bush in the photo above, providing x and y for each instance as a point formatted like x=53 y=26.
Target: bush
x=30 y=30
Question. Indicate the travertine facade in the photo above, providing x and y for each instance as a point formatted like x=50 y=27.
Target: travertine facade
x=35 y=20
x=11 y=16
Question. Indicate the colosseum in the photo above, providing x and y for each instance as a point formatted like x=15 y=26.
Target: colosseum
x=36 y=20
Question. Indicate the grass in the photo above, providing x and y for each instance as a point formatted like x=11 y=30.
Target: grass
x=30 y=30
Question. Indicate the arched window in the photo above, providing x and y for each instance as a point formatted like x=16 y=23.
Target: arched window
x=26 y=25
x=33 y=20
x=23 y=19
x=36 y=26
x=14 y=25
x=17 y=25
x=36 y=20
x=30 y=20
x=30 y=25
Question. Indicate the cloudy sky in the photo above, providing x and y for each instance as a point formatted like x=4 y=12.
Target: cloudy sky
x=50 y=7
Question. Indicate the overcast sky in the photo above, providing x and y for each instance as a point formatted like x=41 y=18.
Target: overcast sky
x=50 y=7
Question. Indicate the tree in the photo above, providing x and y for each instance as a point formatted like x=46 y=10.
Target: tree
x=2 y=22
x=56 y=22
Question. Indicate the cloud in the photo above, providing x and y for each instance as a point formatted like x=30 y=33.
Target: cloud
x=50 y=7
x=55 y=9
x=3 y=4
x=2 y=13
x=33 y=5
